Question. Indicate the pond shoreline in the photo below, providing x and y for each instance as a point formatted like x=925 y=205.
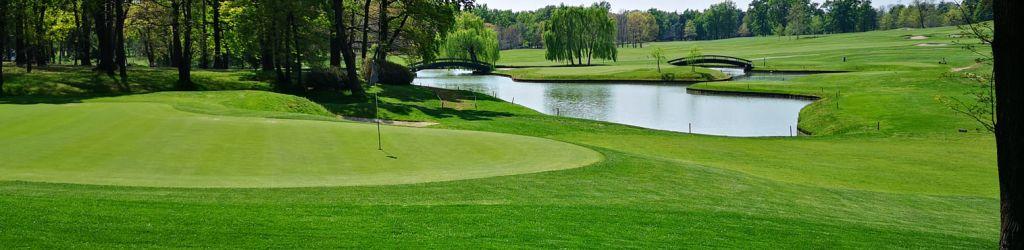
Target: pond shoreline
x=730 y=78
x=655 y=105
x=699 y=91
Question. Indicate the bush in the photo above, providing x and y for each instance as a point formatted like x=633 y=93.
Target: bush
x=324 y=80
x=393 y=74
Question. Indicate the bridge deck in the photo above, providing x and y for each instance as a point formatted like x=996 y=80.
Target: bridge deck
x=447 y=63
x=713 y=59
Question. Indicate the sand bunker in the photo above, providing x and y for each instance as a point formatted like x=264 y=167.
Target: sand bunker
x=917 y=37
x=931 y=44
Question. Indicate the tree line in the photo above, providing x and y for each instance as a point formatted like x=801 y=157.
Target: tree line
x=280 y=38
x=525 y=29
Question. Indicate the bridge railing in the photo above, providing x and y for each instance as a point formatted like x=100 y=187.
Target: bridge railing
x=448 y=60
x=712 y=57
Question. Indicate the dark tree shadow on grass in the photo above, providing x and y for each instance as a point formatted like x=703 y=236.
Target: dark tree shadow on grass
x=61 y=82
x=410 y=99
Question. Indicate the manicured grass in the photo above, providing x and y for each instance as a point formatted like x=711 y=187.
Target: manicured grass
x=915 y=183
x=121 y=141
x=882 y=50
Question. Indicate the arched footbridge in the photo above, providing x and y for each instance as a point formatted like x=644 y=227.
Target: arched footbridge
x=453 y=63
x=713 y=59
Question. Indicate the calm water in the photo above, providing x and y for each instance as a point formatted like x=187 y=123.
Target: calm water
x=738 y=75
x=656 y=106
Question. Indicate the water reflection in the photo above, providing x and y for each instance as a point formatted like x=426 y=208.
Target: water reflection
x=739 y=75
x=656 y=106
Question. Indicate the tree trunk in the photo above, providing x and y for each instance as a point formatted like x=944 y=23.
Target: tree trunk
x=297 y=70
x=122 y=59
x=148 y=44
x=394 y=36
x=336 y=22
x=219 y=62
x=185 y=65
x=75 y=36
x=41 y=54
x=176 y=33
x=345 y=44
x=182 y=15
x=381 y=55
x=103 y=36
x=267 y=55
x=21 y=57
x=3 y=41
x=366 y=28
x=204 y=55
x=1009 y=73
x=85 y=38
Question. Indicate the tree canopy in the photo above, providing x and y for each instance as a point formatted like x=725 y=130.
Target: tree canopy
x=470 y=39
x=578 y=33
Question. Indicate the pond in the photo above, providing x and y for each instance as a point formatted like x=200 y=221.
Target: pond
x=739 y=75
x=655 y=106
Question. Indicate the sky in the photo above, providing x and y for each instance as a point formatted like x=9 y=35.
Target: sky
x=669 y=5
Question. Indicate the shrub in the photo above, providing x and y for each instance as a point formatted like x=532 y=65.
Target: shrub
x=393 y=74
x=324 y=80
x=668 y=77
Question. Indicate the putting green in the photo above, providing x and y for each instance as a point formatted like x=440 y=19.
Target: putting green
x=152 y=144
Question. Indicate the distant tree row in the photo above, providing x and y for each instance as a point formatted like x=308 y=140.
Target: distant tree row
x=524 y=29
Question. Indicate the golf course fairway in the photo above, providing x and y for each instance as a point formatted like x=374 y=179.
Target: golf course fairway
x=154 y=144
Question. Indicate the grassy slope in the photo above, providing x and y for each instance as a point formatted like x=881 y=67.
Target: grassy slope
x=915 y=183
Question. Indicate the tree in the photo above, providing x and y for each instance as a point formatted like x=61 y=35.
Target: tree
x=84 y=35
x=694 y=53
x=342 y=38
x=923 y=8
x=220 y=61
x=119 y=43
x=104 y=19
x=757 y=18
x=721 y=20
x=690 y=32
x=3 y=41
x=181 y=22
x=1009 y=72
x=575 y=33
x=799 y=18
x=842 y=15
x=658 y=54
x=778 y=15
x=417 y=23
x=471 y=40
x=642 y=27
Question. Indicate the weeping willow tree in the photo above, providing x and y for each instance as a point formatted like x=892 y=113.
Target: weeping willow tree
x=471 y=40
x=578 y=33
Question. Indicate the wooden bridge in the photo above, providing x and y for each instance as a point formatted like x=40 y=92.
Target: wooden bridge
x=713 y=59
x=453 y=63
